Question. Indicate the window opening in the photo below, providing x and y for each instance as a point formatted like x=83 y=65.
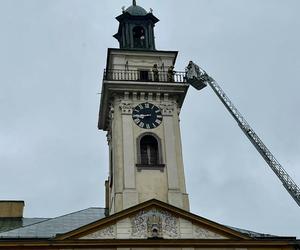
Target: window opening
x=149 y=150
x=139 y=37
x=144 y=75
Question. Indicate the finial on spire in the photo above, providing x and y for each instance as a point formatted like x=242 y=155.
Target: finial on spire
x=134 y=2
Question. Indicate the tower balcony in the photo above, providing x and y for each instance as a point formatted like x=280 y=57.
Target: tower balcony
x=144 y=76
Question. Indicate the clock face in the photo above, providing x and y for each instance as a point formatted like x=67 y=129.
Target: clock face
x=147 y=115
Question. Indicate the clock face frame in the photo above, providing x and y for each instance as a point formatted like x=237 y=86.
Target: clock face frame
x=147 y=115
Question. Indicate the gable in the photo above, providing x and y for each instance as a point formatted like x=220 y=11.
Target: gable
x=154 y=222
x=151 y=220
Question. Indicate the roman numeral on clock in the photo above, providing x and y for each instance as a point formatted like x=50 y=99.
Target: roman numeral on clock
x=147 y=116
x=158 y=121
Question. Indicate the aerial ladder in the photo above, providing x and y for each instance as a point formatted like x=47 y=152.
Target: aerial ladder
x=199 y=79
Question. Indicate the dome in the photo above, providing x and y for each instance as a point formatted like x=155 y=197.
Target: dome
x=136 y=10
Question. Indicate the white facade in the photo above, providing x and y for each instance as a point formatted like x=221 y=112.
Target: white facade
x=130 y=185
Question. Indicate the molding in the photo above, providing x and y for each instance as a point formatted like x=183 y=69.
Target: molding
x=141 y=167
x=112 y=88
x=289 y=244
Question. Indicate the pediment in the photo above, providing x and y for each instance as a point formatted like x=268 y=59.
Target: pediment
x=154 y=223
x=154 y=219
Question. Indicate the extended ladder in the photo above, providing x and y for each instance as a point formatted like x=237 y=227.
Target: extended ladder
x=199 y=79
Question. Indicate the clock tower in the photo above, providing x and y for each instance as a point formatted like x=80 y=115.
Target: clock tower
x=140 y=105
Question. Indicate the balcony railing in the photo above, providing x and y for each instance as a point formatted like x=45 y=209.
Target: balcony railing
x=144 y=76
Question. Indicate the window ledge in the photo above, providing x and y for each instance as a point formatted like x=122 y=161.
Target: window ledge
x=141 y=167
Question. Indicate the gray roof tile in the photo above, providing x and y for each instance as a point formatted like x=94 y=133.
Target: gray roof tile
x=12 y=223
x=51 y=227
x=252 y=234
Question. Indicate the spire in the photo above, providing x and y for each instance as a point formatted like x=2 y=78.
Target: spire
x=134 y=2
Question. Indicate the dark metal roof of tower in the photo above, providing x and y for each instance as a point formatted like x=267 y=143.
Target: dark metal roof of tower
x=136 y=10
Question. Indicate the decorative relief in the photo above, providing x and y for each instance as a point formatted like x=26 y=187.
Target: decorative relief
x=105 y=233
x=110 y=119
x=202 y=233
x=139 y=225
x=167 y=109
x=154 y=224
x=126 y=107
x=111 y=114
x=171 y=225
x=109 y=137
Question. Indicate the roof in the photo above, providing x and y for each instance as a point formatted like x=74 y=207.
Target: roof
x=136 y=10
x=253 y=234
x=68 y=225
x=7 y=224
x=49 y=228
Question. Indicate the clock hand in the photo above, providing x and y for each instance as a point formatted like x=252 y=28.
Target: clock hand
x=141 y=116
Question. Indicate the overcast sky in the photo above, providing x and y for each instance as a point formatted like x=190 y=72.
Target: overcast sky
x=52 y=55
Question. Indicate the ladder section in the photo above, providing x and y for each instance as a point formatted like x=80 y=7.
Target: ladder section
x=198 y=78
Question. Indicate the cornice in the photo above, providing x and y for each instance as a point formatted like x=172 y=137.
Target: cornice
x=51 y=244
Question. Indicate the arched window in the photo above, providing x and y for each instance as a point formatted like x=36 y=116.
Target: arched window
x=139 y=37
x=149 y=152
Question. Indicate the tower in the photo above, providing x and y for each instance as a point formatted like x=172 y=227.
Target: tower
x=136 y=28
x=140 y=104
